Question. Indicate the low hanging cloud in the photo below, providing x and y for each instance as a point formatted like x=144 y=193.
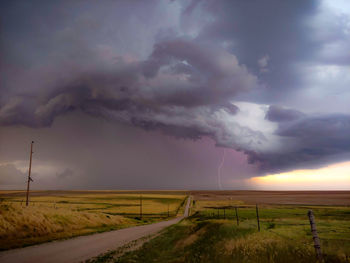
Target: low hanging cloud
x=317 y=140
x=183 y=89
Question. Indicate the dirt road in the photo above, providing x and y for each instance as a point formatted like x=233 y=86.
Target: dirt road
x=85 y=247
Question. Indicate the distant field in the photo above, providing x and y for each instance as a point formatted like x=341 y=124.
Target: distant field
x=62 y=214
x=211 y=234
x=277 y=197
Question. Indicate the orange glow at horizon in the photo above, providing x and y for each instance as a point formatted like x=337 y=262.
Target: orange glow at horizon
x=332 y=177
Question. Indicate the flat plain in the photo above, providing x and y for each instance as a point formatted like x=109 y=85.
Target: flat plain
x=212 y=233
x=53 y=215
x=278 y=197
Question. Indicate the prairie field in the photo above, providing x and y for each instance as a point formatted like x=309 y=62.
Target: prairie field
x=212 y=233
x=55 y=215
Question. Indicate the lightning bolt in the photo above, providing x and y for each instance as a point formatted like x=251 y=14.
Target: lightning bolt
x=219 y=170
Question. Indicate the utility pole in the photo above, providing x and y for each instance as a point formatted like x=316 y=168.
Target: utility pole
x=30 y=169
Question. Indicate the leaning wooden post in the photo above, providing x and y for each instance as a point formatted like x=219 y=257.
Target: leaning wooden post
x=30 y=169
x=257 y=216
x=317 y=243
x=237 y=216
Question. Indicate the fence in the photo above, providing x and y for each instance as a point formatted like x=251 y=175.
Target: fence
x=254 y=215
x=138 y=209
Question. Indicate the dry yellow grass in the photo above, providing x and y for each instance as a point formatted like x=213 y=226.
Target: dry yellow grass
x=255 y=246
x=52 y=215
x=21 y=226
x=109 y=203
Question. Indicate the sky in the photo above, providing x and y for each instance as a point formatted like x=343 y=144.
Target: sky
x=158 y=94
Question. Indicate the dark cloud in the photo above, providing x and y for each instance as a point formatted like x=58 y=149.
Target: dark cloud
x=149 y=94
x=212 y=75
x=297 y=37
x=317 y=140
x=280 y=114
x=269 y=27
x=334 y=127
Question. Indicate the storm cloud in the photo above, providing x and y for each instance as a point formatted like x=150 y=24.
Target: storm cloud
x=265 y=78
x=317 y=140
x=279 y=114
x=156 y=93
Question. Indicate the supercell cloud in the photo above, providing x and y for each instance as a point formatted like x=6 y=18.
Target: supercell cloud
x=266 y=78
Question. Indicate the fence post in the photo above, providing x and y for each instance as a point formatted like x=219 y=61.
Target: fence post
x=237 y=216
x=140 y=207
x=224 y=213
x=257 y=216
x=317 y=243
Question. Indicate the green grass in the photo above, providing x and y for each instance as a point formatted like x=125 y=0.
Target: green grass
x=284 y=237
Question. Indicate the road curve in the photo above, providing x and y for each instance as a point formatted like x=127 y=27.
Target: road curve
x=85 y=247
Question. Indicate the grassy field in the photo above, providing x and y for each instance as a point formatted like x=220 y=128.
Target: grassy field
x=62 y=214
x=212 y=235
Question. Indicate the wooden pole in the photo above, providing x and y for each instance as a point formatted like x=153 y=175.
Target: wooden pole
x=168 y=209
x=140 y=207
x=317 y=243
x=237 y=216
x=30 y=169
x=224 y=213
x=257 y=216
